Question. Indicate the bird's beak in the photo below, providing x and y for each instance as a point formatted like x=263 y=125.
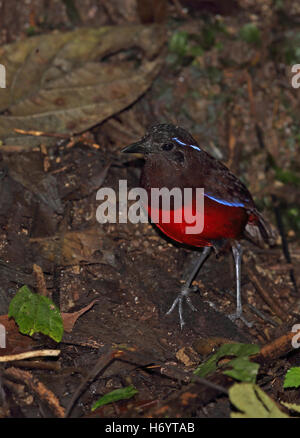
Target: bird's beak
x=140 y=147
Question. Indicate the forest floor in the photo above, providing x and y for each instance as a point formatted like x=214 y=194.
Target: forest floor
x=225 y=75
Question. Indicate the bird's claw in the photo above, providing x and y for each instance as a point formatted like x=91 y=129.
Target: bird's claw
x=183 y=294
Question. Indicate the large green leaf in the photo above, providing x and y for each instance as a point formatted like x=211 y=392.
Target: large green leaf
x=69 y=82
x=253 y=402
x=35 y=313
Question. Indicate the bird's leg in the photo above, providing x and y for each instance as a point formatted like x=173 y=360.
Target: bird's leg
x=187 y=287
x=237 y=255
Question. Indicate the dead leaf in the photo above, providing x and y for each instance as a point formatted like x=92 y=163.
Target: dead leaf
x=15 y=341
x=69 y=82
x=69 y=319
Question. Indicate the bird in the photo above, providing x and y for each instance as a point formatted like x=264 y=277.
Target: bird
x=174 y=159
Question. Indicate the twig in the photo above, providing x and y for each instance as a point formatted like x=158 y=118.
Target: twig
x=270 y=300
x=231 y=142
x=258 y=130
x=262 y=315
x=281 y=267
x=42 y=134
x=260 y=137
x=61 y=169
x=90 y=343
x=285 y=246
x=173 y=372
x=37 y=364
x=71 y=137
x=40 y=281
x=29 y=354
x=250 y=95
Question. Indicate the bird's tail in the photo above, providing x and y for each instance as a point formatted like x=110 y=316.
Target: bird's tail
x=258 y=230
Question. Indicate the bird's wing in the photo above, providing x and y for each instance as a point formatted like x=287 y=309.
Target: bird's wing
x=218 y=182
x=221 y=185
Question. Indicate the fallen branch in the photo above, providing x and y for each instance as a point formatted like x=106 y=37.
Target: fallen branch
x=277 y=348
x=36 y=387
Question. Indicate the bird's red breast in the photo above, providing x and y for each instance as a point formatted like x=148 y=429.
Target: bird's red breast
x=220 y=222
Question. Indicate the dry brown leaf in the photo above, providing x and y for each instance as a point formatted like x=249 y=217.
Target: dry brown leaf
x=69 y=319
x=15 y=341
x=67 y=82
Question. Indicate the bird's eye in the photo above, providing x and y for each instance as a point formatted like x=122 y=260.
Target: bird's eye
x=167 y=146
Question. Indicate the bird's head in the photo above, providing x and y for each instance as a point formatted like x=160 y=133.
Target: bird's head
x=168 y=140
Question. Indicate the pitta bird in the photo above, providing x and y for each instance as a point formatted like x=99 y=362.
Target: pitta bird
x=173 y=159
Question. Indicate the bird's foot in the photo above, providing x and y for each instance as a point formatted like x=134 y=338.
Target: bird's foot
x=238 y=315
x=183 y=295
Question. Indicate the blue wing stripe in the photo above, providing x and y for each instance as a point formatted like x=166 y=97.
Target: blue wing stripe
x=222 y=201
